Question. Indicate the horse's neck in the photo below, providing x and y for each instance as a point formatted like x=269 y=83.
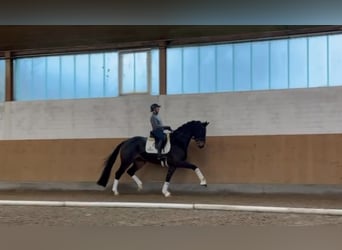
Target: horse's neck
x=181 y=138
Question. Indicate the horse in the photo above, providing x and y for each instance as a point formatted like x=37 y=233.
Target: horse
x=133 y=156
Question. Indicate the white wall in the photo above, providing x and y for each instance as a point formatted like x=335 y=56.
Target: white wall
x=301 y=111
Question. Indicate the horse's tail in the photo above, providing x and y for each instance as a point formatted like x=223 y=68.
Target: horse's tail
x=108 y=166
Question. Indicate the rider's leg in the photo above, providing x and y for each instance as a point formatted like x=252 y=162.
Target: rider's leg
x=159 y=149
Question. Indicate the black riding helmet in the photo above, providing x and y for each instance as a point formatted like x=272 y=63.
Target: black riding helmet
x=154 y=105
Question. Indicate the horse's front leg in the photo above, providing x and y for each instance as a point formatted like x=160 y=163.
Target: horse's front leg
x=165 y=189
x=184 y=164
x=203 y=181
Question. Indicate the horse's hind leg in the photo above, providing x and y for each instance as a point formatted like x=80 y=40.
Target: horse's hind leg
x=118 y=175
x=138 y=163
x=165 y=189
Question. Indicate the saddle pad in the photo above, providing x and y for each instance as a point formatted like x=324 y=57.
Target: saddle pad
x=150 y=145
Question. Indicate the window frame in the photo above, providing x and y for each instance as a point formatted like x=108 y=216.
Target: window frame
x=121 y=53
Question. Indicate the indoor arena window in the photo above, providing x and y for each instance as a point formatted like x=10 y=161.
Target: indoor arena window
x=335 y=60
x=2 y=80
x=298 y=62
x=135 y=72
x=92 y=75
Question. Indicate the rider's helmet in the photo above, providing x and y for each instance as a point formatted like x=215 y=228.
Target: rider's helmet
x=154 y=105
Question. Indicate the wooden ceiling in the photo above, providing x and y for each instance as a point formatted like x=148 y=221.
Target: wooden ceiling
x=27 y=39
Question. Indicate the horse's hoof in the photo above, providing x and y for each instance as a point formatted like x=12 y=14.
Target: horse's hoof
x=204 y=185
x=116 y=193
x=167 y=194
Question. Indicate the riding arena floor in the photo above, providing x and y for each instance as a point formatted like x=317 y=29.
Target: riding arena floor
x=111 y=217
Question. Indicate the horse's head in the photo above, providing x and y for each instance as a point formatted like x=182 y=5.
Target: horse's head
x=199 y=133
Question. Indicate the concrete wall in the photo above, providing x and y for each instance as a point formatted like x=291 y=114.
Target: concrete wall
x=282 y=137
x=302 y=111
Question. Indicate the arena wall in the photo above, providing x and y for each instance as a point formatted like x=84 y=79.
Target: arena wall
x=260 y=137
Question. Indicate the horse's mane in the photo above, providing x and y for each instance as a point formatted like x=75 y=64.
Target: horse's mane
x=187 y=125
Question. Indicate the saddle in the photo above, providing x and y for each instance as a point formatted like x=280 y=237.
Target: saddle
x=150 y=145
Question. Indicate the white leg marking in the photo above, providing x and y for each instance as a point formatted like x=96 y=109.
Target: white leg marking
x=115 y=187
x=200 y=177
x=138 y=182
x=165 y=189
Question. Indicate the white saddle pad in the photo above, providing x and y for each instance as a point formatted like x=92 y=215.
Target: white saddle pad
x=150 y=145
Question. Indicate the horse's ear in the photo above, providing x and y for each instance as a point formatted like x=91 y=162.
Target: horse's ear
x=205 y=123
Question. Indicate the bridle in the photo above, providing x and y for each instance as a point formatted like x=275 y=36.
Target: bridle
x=200 y=141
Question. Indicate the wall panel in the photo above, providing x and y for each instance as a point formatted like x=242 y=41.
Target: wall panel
x=262 y=137
x=284 y=159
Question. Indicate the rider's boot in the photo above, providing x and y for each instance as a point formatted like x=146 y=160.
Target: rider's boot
x=159 y=149
x=160 y=157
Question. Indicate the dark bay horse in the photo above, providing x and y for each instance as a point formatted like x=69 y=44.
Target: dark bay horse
x=133 y=156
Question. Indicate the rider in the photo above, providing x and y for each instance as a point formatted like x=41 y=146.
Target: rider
x=158 y=128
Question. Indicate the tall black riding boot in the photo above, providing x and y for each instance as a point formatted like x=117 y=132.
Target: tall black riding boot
x=159 y=149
